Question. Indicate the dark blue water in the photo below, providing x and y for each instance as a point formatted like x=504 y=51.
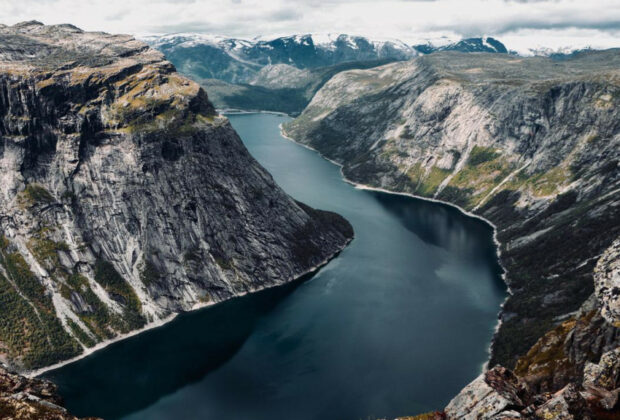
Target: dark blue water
x=395 y=325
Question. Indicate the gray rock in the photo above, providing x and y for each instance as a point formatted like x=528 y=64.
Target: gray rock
x=125 y=196
x=607 y=283
x=493 y=395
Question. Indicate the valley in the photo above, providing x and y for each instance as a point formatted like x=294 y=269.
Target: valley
x=386 y=311
x=129 y=203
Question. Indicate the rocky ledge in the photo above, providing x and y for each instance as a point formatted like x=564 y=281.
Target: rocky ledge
x=125 y=198
x=30 y=399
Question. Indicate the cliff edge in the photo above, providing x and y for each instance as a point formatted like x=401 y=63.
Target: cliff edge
x=125 y=198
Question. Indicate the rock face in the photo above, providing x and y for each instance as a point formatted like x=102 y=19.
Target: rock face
x=29 y=399
x=572 y=372
x=494 y=394
x=607 y=284
x=125 y=198
x=531 y=144
x=485 y=44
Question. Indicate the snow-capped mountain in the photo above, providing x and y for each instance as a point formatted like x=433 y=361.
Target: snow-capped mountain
x=483 y=44
x=238 y=60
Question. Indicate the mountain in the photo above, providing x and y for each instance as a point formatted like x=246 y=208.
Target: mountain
x=283 y=74
x=278 y=87
x=485 y=44
x=126 y=199
x=238 y=60
x=530 y=144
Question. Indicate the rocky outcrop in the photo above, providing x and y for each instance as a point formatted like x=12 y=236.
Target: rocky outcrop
x=531 y=144
x=29 y=399
x=499 y=394
x=125 y=198
x=495 y=394
x=572 y=372
x=607 y=284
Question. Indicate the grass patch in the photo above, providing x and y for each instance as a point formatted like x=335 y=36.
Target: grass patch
x=30 y=331
x=119 y=290
x=149 y=274
x=547 y=183
x=479 y=155
x=433 y=179
x=34 y=194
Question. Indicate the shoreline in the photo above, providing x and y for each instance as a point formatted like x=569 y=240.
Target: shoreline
x=236 y=111
x=498 y=244
x=164 y=321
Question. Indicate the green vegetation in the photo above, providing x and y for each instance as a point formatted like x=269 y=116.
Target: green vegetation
x=547 y=353
x=80 y=334
x=479 y=155
x=547 y=183
x=107 y=276
x=100 y=320
x=46 y=250
x=149 y=274
x=431 y=182
x=456 y=195
x=35 y=194
x=29 y=328
x=484 y=170
x=415 y=173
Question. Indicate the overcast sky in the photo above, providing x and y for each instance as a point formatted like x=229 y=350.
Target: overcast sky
x=520 y=24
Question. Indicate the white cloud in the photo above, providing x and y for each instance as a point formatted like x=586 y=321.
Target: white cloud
x=519 y=23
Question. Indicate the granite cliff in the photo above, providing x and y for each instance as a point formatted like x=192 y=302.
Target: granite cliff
x=530 y=144
x=125 y=198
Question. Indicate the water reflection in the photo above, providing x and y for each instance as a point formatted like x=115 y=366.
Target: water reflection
x=155 y=363
x=441 y=225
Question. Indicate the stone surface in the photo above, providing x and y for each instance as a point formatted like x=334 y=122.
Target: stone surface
x=607 y=283
x=572 y=372
x=29 y=399
x=566 y=404
x=494 y=394
x=126 y=198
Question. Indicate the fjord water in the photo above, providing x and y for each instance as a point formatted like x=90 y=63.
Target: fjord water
x=396 y=325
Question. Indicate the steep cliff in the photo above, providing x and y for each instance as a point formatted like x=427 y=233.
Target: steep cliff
x=126 y=198
x=531 y=144
x=572 y=372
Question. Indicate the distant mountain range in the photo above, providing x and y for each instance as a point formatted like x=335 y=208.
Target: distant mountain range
x=283 y=74
x=239 y=60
